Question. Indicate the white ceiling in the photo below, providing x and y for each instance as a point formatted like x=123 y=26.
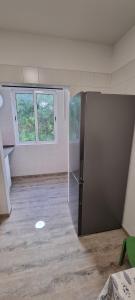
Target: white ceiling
x=103 y=21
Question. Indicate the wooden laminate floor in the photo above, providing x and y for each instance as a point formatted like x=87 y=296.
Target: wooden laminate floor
x=52 y=263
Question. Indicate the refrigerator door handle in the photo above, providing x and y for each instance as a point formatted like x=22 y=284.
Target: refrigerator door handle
x=81 y=181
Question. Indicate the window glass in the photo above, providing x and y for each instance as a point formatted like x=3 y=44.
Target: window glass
x=45 y=116
x=25 y=117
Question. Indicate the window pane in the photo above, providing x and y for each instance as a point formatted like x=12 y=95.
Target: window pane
x=45 y=115
x=25 y=116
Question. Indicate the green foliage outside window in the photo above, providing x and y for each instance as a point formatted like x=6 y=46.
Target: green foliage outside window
x=25 y=116
x=45 y=111
x=43 y=114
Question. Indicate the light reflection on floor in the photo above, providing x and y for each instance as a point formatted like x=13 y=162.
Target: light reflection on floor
x=40 y=225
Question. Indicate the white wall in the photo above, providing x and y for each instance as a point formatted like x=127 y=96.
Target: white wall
x=124 y=50
x=45 y=52
x=27 y=58
x=123 y=81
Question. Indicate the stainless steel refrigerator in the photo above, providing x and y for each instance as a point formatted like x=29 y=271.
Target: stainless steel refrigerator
x=100 y=138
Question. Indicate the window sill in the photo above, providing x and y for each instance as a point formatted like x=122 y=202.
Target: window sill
x=36 y=143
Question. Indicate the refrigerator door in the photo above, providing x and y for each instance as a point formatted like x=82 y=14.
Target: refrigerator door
x=109 y=125
x=76 y=151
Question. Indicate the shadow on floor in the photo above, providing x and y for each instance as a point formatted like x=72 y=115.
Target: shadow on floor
x=103 y=250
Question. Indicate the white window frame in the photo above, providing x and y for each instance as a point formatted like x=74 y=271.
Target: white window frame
x=35 y=91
